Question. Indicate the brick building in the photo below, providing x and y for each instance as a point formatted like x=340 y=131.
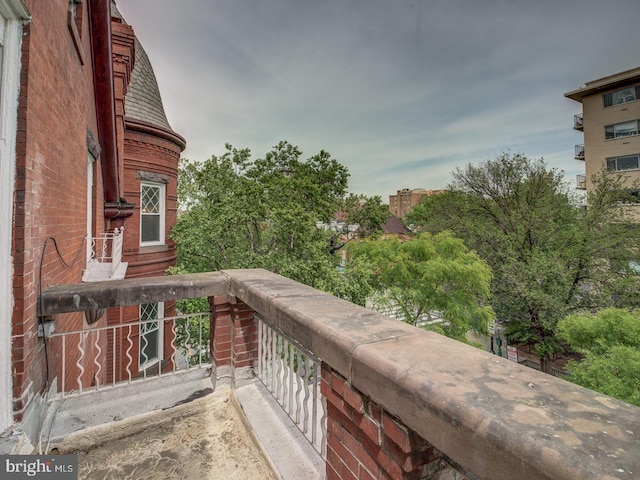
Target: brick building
x=86 y=150
x=404 y=200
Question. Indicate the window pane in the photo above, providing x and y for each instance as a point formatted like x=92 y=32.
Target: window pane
x=149 y=332
x=623 y=96
x=608 y=131
x=628 y=162
x=625 y=129
x=150 y=228
x=611 y=164
x=149 y=345
x=608 y=99
x=148 y=311
x=150 y=201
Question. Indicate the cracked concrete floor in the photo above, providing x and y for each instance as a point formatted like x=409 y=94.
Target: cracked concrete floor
x=203 y=439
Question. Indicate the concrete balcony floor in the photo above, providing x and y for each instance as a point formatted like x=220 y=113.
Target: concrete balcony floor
x=180 y=428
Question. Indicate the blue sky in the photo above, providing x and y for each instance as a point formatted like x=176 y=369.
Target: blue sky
x=400 y=91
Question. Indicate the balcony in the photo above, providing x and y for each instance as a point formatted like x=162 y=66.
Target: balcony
x=581 y=182
x=579 y=152
x=578 y=122
x=371 y=396
x=104 y=259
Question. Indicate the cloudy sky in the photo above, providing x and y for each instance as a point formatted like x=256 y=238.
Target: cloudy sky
x=399 y=91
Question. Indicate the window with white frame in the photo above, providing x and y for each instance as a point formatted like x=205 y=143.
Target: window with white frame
x=626 y=162
x=624 y=95
x=152 y=213
x=151 y=315
x=618 y=130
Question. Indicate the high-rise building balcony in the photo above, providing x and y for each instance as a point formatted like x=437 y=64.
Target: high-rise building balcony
x=372 y=396
x=578 y=122
x=581 y=182
x=579 y=152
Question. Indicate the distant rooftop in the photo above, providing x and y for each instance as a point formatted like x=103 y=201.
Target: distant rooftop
x=609 y=82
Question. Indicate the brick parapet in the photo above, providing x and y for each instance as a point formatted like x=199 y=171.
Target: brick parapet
x=366 y=442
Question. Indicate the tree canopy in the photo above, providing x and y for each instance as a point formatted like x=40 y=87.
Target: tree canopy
x=236 y=212
x=430 y=276
x=610 y=341
x=549 y=256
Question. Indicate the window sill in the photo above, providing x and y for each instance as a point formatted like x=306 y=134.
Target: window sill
x=153 y=248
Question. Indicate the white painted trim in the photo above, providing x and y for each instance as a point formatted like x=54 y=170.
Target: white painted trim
x=14 y=10
x=12 y=14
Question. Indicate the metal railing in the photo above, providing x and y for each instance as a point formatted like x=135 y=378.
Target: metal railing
x=94 y=359
x=578 y=122
x=581 y=182
x=104 y=258
x=292 y=375
x=579 y=152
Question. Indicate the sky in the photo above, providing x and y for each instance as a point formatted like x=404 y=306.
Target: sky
x=401 y=92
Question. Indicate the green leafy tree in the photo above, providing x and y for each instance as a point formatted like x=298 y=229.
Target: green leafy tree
x=429 y=276
x=236 y=212
x=549 y=257
x=610 y=341
x=369 y=213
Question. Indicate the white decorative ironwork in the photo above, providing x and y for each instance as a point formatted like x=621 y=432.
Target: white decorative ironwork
x=99 y=358
x=104 y=260
x=292 y=375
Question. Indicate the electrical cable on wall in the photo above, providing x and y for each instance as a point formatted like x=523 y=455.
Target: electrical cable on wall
x=41 y=318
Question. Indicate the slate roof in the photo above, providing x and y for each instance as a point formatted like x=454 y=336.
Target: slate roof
x=143 y=101
x=394 y=225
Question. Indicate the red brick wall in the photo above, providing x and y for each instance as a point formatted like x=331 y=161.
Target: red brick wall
x=55 y=110
x=148 y=153
x=234 y=334
x=364 y=441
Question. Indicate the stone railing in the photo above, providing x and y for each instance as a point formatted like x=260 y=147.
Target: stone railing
x=401 y=402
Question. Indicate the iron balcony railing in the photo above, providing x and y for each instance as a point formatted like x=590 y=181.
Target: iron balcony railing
x=581 y=182
x=578 y=122
x=97 y=358
x=579 y=152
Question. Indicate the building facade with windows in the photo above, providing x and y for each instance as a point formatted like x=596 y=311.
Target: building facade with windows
x=610 y=122
x=88 y=175
x=404 y=200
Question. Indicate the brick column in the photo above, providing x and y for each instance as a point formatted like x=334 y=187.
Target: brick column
x=365 y=442
x=234 y=334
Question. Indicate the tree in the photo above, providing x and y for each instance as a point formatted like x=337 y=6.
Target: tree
x=549 y=256
x=369 y=213
x=240 y=213
x=610 y=341
x=426 y=276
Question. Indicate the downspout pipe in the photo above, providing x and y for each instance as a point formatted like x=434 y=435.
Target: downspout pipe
x=100 y=24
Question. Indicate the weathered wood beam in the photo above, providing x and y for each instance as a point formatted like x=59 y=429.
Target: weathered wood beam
x=135 y=291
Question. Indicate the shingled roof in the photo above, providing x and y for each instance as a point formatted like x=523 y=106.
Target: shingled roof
x=143 y=101
x=394 y=226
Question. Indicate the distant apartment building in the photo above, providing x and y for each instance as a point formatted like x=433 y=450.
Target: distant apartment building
x=404 y=200
x=610 y=122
